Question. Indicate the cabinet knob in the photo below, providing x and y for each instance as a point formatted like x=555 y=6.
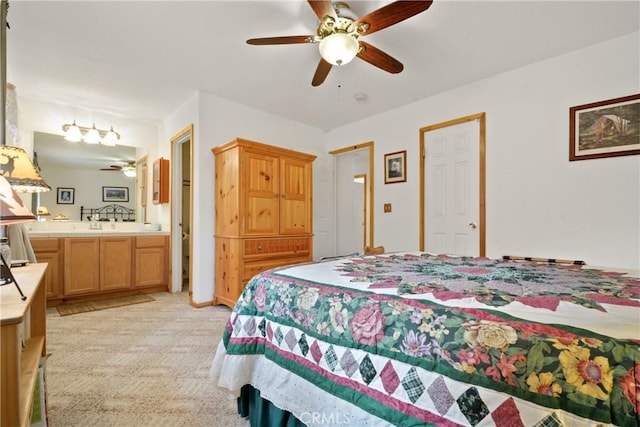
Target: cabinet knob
x=259 y=247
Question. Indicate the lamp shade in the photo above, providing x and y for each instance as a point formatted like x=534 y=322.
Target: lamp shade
x=92 y=136
x=12 y=208
x=338 y=48
x=19 y=171
x=72 y=132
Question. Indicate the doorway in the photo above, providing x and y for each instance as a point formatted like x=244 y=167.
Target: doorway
x=182 y=211
x=452 y=187
x=353 y=183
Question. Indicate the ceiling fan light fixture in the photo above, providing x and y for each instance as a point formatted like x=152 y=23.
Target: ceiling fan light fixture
x=129 y=171
x=72 y=132
x=338 y=48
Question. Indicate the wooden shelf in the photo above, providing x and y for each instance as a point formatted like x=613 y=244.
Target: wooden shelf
x=29 y=363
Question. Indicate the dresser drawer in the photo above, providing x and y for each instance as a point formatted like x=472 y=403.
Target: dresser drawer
x=251 y=268
x=295 y=246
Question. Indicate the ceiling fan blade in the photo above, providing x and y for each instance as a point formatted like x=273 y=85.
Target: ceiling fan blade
x=282 y=40
x=378 y=58
x=321 y=72
x=391 y=14
x=323 y=8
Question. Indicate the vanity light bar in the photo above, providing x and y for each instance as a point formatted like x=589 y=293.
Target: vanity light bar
x=92 y=135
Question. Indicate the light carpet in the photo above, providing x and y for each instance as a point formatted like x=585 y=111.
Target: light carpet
x=101 y=304
x=138 y=365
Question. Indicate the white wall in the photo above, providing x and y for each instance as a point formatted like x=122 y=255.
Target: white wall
x=538 y=203
x=217 y=121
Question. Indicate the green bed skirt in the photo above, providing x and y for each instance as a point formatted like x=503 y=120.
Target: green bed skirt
x=263 y=413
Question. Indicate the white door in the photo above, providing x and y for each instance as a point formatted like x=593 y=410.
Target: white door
x=350 y=201
x=452 y=201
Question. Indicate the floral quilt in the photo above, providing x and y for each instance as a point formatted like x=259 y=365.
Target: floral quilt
x=415 y=362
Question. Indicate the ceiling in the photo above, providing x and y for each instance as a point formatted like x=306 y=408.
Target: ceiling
x=142 y=59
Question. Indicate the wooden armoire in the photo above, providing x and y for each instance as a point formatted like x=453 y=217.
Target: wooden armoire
x=264 y=213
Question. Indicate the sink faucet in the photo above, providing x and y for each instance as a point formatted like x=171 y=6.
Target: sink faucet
x=94 y=225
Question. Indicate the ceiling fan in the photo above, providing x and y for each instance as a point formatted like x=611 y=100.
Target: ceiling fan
x=339 y=32
x=128 y=169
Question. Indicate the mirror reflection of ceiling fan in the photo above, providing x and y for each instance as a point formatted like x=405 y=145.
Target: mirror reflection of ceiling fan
x=128 y=168
x=340 y=30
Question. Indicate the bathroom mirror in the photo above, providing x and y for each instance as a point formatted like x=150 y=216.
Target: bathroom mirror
x=86 y=168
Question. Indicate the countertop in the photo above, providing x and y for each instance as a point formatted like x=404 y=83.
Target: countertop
x=83 y=229
x=95 y=233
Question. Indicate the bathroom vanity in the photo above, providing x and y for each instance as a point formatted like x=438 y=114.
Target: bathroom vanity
x=87 y=263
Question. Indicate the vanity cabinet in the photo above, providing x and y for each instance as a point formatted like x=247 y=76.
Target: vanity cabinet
x=151 y=267
x=160 y=181
x=97 y=264
x=263 y=199
x=51 y=251
x=89 y=267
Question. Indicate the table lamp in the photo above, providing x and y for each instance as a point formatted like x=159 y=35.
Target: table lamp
x=12 y=211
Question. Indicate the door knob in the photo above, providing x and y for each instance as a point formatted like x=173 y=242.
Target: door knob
x=473 y=225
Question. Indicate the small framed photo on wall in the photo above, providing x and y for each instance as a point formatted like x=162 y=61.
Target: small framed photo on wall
x=605 y=128
x=395 y=167
x=66 y=196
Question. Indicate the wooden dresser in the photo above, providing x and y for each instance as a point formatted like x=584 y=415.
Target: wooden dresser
x=23 y=332
x=263 y=197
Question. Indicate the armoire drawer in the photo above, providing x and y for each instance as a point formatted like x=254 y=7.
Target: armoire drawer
x=295 y=246
x=252 y=268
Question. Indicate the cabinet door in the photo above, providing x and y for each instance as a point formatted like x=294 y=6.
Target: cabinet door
x=150 y=267
x=82 y=266
x=52 y=281
x=115 y=263
x=295 y=196
x=160 y=181
x=50 y=251
x=260 y=178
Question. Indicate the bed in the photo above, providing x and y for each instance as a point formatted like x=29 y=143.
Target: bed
x=413 y=339
x=108 y=212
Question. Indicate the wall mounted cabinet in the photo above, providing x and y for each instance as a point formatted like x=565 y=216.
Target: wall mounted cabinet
x=160 y=181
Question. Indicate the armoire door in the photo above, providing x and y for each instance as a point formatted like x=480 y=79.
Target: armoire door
x=295 y=196
x=262 y=193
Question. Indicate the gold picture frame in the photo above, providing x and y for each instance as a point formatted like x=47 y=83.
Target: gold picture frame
x=395 y=167
x=605 y=129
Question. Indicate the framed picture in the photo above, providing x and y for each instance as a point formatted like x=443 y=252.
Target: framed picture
x=395 y=167
x=605 y=129
x=115 y=194
x=66 y=196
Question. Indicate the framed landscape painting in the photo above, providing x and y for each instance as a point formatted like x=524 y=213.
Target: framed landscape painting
x=605 y=129
x=115 y=194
